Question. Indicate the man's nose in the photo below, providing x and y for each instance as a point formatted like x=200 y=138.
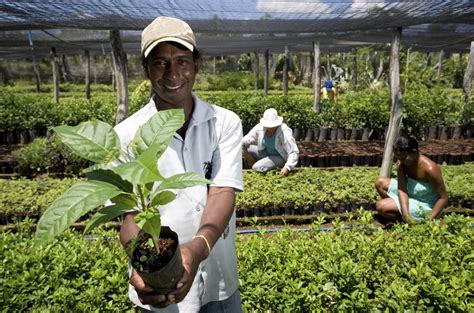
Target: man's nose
x=171 y=70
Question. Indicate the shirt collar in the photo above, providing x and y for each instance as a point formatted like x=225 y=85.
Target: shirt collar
x=203 y=111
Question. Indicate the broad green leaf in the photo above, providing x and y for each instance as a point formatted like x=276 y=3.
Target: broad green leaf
x=182 y=181
x=126 y=199
x=106 y=214
x=110 y=177
x=93 y=140
x=150 y=222
x=159 y=129
x=143 y=170
x=74 y=203
x=163 y=198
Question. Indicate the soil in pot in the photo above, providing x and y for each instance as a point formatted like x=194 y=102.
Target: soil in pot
x=159 y=270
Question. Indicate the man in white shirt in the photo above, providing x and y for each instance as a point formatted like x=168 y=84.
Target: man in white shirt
x=208 y=144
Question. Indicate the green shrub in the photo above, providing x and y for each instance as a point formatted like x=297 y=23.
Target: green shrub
x=231 y=81
x=30 y=197
x=47 y=155
x=301 y=190
x=70 y=275
x=423 y=268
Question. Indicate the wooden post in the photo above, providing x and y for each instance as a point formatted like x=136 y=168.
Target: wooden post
x=65 y=69
x=440 y=64
x=379 y=72
x=354 y=69
x=257 y=70
x=407 y=76
x=35 y=62
x=214 y=65
x=55 y=70
x=328 y=66
x=286 y=65
x=121 y=75
x=467 y=81
x=267 y=71
x=5 y=71
x=87 y=72
x=316 y=78
x=396 y=112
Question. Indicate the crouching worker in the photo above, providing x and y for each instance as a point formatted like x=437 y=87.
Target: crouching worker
x=270 y=144
x=418 y=193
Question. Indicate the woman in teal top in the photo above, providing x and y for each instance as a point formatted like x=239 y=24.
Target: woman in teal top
x=418 y=192
x=270 y=144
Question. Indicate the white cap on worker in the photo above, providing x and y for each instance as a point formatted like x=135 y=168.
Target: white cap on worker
x=165 y=28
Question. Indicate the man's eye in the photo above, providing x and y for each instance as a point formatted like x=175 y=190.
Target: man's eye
x=159 y=63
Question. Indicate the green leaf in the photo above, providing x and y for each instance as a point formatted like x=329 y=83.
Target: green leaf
x=183 y=180
x=126 y=199
x=163 y=198
x=159 y=129
x=93 y=140
x=74 y=203
x=107 y=214
x=150 y=222
x=110 y=177
x=143 y=170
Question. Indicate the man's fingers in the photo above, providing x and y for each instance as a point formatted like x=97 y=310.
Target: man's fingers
x=138 y=283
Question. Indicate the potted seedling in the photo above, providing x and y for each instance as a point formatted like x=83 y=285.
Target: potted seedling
x=125 y=181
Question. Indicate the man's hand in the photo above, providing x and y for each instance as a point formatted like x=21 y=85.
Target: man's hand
x=145 y=292
x=192 y=254
x=284 y=171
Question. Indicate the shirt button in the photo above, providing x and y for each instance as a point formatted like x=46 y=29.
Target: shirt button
x=198 y=209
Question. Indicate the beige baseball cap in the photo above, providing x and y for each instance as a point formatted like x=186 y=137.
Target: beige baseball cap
x=165 y=28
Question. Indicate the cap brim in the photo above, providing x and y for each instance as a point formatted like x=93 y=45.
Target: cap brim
x=271 y=124
x=189 y=46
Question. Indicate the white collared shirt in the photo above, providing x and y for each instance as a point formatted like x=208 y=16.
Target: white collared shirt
x=213 y=135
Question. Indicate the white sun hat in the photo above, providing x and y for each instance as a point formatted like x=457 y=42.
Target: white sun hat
x=271 y=119
x=165 y=28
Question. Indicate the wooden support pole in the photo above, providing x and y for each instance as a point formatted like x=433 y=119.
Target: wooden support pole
x=121 y=75
x=267 y=71
x=328 y=67
x=286 y=66
x=396 y=112
x=407 y=67
x=354 y=69
x=87 y=72
x=467 y=81
x=316 y=78
x=257 y=70
x=55 y=70
x=214 y=65
x=35 y=62
x=440 y=64
x=65 y=69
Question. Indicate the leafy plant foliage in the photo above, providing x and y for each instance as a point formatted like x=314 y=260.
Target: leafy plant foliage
x=126 y=180
x=427 y=267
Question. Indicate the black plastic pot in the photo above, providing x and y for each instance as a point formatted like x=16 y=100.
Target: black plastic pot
x=164 y=279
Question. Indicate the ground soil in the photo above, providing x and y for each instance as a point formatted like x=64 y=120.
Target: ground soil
x=357 y=152
x=153 y=261
x=357 y=147
x=342 y=153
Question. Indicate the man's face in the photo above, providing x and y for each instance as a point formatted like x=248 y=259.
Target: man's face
x=406 y=158
x=172 y=72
